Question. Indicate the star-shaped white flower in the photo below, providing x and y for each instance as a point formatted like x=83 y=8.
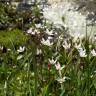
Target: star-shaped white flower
x=66 y=45
x=58 y=66
x=46 y=42
x=63 y=79
x=21 y=49
x=52 y=61
x=39 y=51
x=82 y=52
x=93 y=52
x=49 y=32
x=77 y=46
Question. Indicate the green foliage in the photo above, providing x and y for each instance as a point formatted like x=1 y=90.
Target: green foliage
x=32 y=74
x=12 y=38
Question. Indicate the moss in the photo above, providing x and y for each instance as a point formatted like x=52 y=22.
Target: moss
x=13 y=38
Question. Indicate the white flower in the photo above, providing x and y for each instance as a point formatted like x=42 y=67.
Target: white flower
x=77 y=46
x=50 y=38
x=52 y=61
x=38 y=25
x=66 y=45
x=94 y=37
x=82 y=52
x=93 y=52
x=36 y=31
x=21 y=49
x=30 y=31
x=58 y=66
x=46 y=42
x=61 y=80
x=39 y=51
x=76 y=36
x=61 y=37
x=9 y=49
x=1 y=47
x=95 y=71
x=92 y=13
x=49 y=32
x=15 y=4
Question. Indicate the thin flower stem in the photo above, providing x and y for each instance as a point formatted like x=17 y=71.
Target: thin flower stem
x=60 y=74
x=87 y=61
x=36 y=74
